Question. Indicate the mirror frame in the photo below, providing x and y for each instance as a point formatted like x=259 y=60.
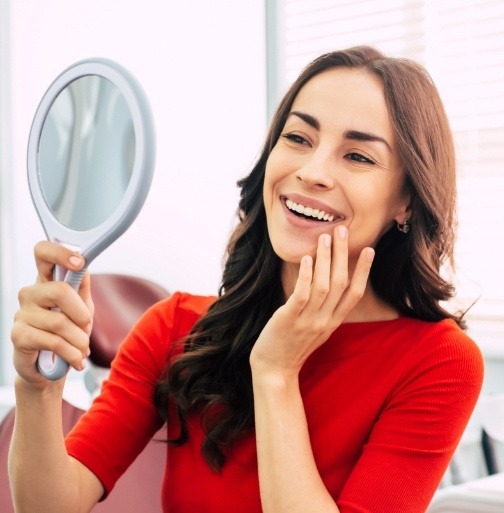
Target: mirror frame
x=93 y=241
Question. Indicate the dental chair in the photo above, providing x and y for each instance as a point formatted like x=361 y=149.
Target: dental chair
x=493 y=433
x=484 y=495
x=119 y=301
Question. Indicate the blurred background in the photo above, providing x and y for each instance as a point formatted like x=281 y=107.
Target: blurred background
x=202 y=66
x=213 y=72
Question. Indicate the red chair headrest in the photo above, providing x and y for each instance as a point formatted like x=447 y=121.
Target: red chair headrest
x=119 y=301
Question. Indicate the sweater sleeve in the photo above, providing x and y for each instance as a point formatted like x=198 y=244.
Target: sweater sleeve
x=123 y=418
x=419 y=426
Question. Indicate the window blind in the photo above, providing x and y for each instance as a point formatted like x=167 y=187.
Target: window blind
x=461 y=43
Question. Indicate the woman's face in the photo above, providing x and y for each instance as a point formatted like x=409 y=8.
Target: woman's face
x=335 y=162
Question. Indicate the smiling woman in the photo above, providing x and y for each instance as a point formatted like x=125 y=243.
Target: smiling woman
x=334 y=156
x=326 y=376
x=461 y=44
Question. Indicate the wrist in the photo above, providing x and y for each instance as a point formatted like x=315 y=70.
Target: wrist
x=280 y=380
x=43 y=389
x=268 y=368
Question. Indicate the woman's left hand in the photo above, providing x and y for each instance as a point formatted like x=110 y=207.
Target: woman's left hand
x=323 y=296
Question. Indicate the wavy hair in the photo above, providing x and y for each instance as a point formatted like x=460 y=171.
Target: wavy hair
x=212 y=376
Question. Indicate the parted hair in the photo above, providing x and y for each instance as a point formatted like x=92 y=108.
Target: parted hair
x=211 y=377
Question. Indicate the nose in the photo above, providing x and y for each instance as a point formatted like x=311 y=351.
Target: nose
x=317 y=173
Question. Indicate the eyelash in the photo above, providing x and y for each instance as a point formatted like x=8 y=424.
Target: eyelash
x=356 y=157
x=360 y=158
x=297 y=139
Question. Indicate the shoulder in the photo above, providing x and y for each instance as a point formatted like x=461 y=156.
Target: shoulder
x=442 y=338
x=421 y=354
x=410 y=339
x=193 y=305
x=161 y=327
x=443 y=352
x=179 y=308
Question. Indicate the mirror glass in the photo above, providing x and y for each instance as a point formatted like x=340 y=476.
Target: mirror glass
x=86 y=152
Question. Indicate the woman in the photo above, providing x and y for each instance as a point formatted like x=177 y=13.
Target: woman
x=326 y=376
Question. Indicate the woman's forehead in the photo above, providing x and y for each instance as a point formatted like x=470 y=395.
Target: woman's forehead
x=343 y=85
x=345 y=96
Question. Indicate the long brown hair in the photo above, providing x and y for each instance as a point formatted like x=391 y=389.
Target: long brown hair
x=212 y=377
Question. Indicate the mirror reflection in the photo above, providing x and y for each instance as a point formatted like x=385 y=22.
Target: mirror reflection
x=86 y=152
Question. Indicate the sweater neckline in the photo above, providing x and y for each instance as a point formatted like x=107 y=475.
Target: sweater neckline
x=352 y=337
x=371 y=324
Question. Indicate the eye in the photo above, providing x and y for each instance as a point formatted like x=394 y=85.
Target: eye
x=295 y=138
x=357 y=157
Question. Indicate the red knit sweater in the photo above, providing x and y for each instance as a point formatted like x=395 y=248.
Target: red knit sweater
x=386 y=404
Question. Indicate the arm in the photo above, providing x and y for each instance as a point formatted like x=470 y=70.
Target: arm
x=437 y=381
x=43 y=477
x=417 y=414
x=288 y=476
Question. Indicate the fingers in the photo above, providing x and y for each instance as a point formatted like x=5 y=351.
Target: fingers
x=325 y=287
x=313 y=286
x=85 y=294
x=53 y=317
x=339 y=266
x=323 y=297
x=322 y=273
x=48 y=254
x=56 y=295
x=297 y=301
x=330 y=278
x=51 y=331
x=357 y=286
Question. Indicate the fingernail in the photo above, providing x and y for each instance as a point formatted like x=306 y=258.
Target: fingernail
x=326 y=240
x=75 y=260
x=307 y=261
x=342 y=232
x=88 y=352
x=83 y=365
x=370 y=254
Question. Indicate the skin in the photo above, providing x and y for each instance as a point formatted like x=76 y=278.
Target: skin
x=362 y=180
x=43 y=477
x=324 y=276
x=326 y=265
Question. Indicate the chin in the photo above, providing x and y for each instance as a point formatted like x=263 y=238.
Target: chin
x=293 y=255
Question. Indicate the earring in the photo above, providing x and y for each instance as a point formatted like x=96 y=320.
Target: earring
x=404 y=227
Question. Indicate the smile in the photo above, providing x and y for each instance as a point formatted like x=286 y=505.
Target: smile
x=309 y=212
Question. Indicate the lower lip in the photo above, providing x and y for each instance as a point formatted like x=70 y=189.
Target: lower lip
x=301 y=222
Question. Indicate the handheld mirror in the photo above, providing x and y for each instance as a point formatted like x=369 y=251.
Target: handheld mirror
x=91 y=154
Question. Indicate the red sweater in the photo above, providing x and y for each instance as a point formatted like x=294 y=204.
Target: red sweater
x=386 y=404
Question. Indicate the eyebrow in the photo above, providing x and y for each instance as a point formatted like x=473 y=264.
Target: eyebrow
x=353 y=135
x=310 y=120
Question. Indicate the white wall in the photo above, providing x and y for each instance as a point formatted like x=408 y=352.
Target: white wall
x=202 y=65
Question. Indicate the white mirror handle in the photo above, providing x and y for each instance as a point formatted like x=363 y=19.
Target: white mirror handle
x=51 y=366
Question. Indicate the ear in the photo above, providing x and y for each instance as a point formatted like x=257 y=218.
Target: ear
x=404 y=210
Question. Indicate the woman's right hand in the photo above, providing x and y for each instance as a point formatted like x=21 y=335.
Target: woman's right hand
x=52 y=316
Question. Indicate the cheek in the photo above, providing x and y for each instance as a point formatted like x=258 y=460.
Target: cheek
x=374 y=209
x=280 y=163
x=378 y=200
x=272 y=176
x=267 y=186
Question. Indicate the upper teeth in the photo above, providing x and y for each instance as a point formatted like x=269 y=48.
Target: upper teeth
x=308 y=211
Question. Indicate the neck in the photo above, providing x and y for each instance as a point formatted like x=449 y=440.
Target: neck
x=369 y=308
